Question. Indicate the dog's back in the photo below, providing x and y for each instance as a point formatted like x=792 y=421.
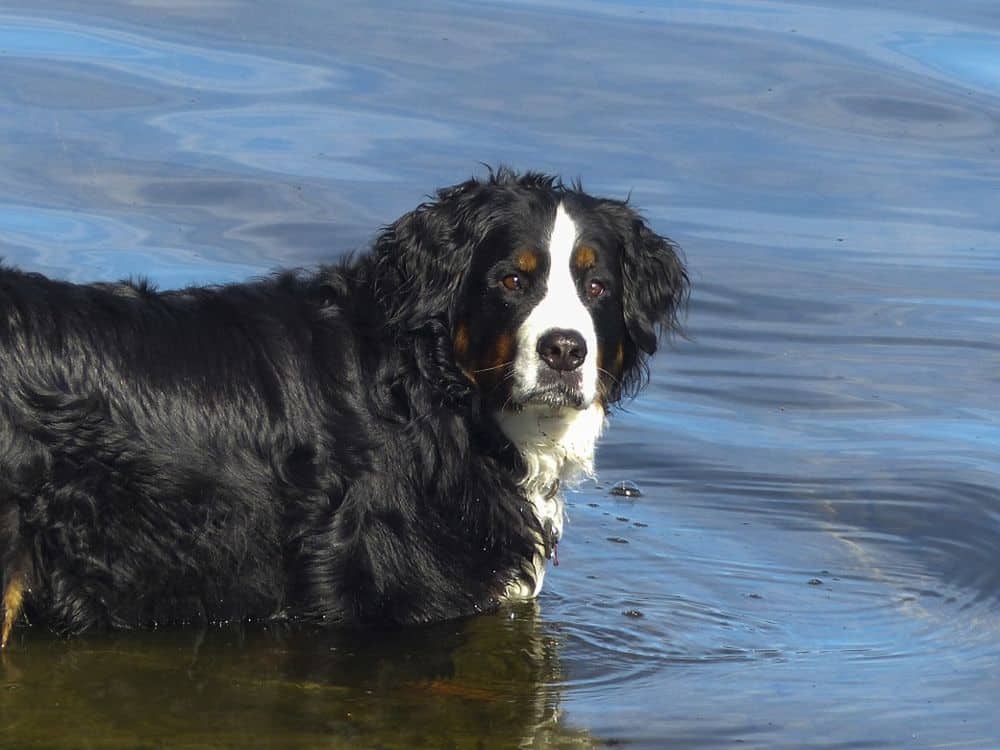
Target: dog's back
x=138 y=438
x=246 y=451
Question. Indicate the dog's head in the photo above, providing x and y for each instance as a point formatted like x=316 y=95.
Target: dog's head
x=551 y=297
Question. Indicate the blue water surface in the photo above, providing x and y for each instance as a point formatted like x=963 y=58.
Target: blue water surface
x=815 y=559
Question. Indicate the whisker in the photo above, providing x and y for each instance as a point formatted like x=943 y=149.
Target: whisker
x=496 y=367
x=602 y=387
x=616 y=380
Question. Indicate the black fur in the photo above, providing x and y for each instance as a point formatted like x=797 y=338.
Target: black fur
x=304 y=446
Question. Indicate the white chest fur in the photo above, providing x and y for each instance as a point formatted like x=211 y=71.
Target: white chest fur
x=557 y=446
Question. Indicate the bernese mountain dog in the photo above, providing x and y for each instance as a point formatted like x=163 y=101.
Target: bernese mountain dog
x=381 y=441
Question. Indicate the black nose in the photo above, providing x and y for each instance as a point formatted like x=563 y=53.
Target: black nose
x=562 y=350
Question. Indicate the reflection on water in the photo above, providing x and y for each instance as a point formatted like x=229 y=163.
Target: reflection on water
x=813 y=559
x=491 y=682
x=158 y=61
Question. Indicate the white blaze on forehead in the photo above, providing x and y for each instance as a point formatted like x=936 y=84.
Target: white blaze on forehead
x=562 y=308
x=557 y=444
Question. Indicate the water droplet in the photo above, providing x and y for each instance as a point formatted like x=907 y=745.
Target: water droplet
x=626 y=488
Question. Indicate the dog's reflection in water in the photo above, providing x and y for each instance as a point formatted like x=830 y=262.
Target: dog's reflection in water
x=492 y=681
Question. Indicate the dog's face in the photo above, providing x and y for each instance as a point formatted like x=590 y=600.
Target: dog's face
x=540 y=317
x=553 y=297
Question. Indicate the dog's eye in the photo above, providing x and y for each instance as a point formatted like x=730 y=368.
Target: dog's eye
x=595 y=288
x=512 y=282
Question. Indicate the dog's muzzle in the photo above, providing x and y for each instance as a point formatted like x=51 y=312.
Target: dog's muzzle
x=559 y=375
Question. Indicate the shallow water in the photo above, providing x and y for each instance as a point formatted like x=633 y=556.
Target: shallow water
x=815 y=559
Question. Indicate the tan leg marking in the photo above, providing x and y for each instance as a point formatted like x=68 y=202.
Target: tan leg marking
x=13 y=598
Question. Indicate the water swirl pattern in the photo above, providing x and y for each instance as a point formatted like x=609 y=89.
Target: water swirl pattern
x=814 y=558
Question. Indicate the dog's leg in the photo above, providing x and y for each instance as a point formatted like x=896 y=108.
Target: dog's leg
x=13 y=599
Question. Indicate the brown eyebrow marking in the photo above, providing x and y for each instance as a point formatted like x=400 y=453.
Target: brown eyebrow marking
x=585 y=257
x=526 y=261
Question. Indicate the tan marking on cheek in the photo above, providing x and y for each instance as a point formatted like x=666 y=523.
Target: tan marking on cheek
x=460 y=345
x=617 y=361
x=585 y=257
x=614 y=368
x=503 y=349
x=526 y=261
x=460 y=342
x=492 y=368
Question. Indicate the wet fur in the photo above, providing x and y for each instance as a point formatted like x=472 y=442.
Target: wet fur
x=306 y=446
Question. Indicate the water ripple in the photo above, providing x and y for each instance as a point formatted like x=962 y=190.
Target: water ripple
x=156 y=59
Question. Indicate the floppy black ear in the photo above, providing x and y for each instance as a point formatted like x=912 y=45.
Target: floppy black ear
x=422 y=257
x=655 y=285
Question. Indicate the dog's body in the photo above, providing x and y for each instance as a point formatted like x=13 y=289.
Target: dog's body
x=379 y=442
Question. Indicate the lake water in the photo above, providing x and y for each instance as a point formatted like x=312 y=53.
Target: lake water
x=815 y=559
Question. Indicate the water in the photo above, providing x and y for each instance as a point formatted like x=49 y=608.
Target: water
x=814 y=560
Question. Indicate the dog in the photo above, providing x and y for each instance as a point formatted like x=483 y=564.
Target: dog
x=383 y=441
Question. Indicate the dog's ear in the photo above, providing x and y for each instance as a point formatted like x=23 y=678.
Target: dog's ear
x=655 y=285
x=421 y=259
